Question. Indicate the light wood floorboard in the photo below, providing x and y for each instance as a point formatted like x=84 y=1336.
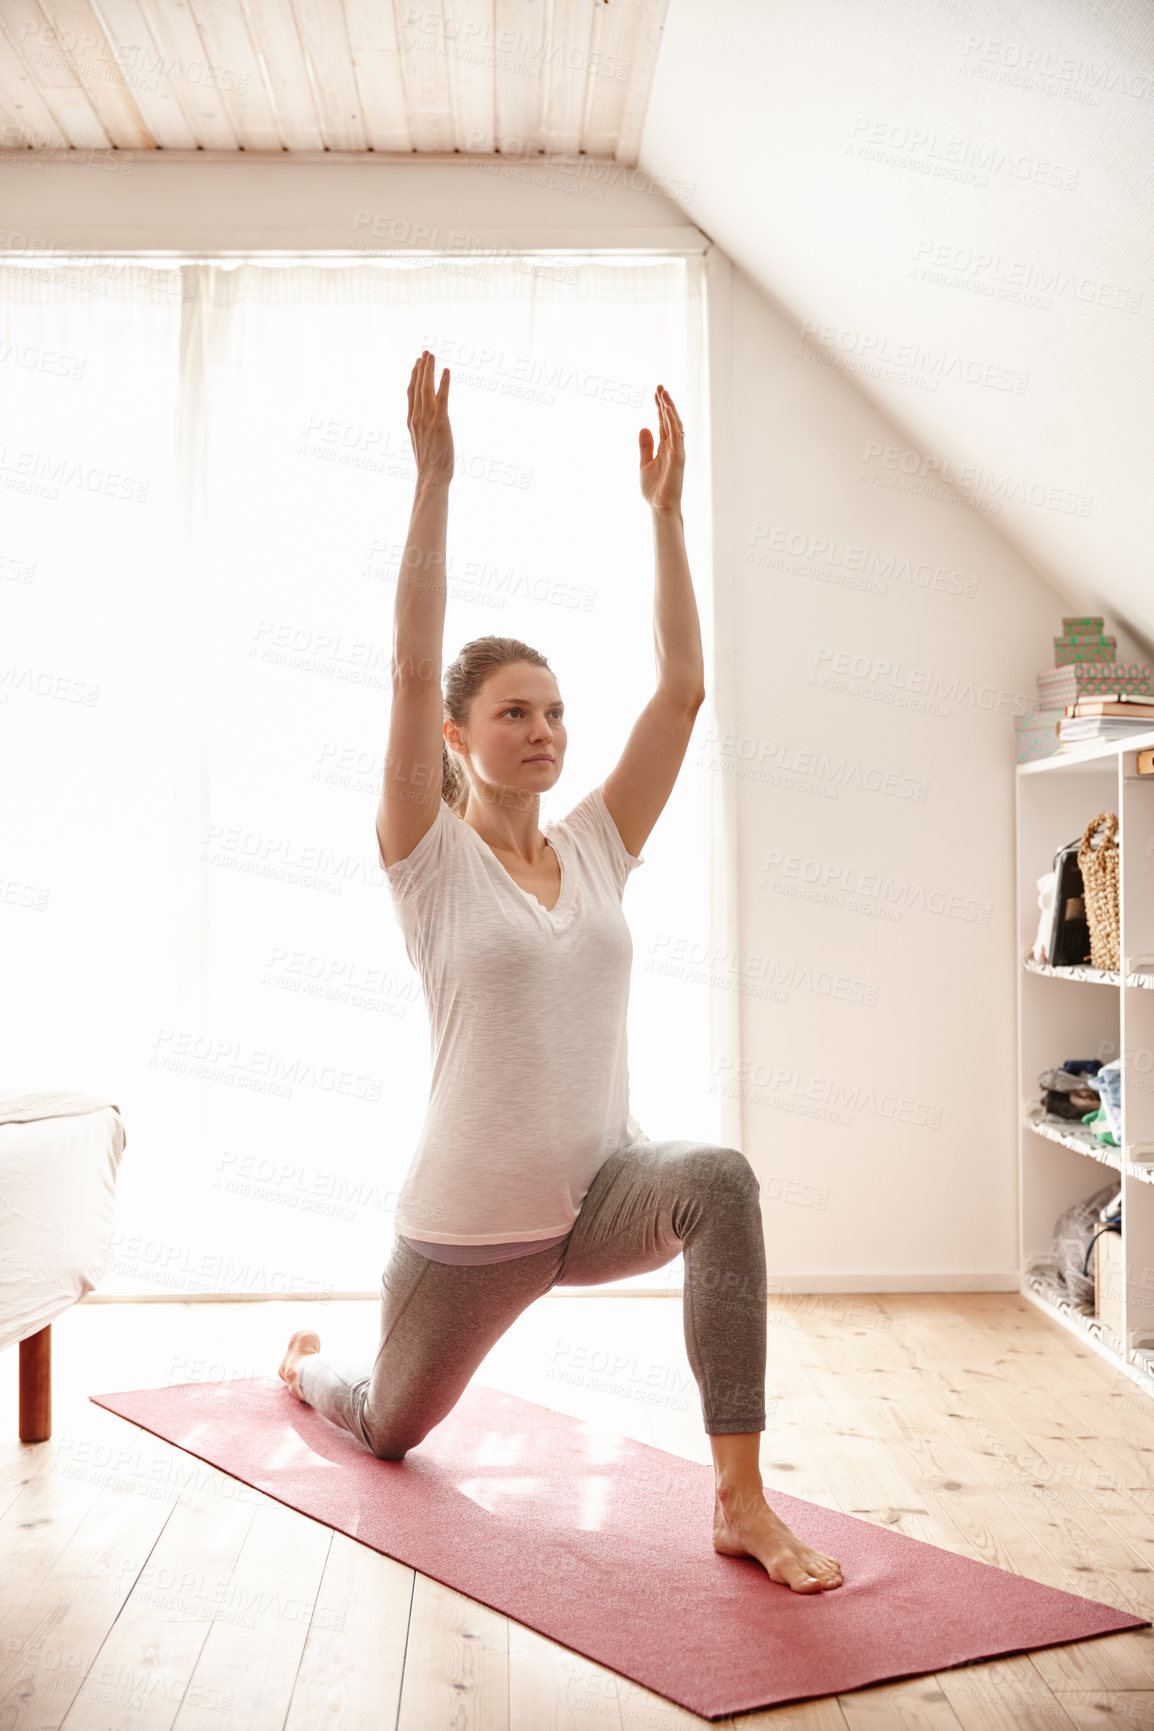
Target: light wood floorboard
x=143 y=1590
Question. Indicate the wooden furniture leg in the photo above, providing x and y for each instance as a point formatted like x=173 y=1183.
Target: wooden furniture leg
x=36 y=1386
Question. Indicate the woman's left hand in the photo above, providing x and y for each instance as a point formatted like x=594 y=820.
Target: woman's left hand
x=662 y=470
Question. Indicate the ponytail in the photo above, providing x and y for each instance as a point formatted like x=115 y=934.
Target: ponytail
x=454 y=782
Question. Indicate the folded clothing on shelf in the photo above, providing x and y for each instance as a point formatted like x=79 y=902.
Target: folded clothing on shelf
x=1069 y=1092
x=1086 y=1090
x=1108 y=1082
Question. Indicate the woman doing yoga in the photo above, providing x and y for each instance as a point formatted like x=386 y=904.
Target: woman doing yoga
x=529 y=1172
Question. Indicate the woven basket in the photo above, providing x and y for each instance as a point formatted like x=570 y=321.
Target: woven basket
x=1099 y=869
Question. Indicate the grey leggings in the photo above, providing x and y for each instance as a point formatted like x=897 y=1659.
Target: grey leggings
x=647 y=1202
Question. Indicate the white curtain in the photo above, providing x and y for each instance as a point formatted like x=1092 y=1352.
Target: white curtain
x=207 y=481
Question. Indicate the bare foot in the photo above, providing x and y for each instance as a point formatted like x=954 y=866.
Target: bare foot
x=303 y=1342
x=744 y=1525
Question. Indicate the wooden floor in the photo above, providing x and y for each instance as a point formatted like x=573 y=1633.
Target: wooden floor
x=141 y=1589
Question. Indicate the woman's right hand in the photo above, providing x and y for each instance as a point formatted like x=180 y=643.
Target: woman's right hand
x=429 y=421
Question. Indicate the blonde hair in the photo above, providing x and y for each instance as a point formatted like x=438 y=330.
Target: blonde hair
x=463 y=679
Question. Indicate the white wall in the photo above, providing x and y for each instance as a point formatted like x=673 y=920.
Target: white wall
x=886 y=1143
x=879 y=1052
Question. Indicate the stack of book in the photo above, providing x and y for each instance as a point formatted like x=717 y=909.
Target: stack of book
x=1088 y=695
x=1115 y=716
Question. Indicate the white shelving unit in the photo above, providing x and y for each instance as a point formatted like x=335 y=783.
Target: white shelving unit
x=1084 y=1012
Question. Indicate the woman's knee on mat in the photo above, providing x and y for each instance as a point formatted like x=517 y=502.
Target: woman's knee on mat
x=385 y=1449
x=406 y=1422
x=393 y=1442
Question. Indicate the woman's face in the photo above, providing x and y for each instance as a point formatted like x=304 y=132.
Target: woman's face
x=517 y=718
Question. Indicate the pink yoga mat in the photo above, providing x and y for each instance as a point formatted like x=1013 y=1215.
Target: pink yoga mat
x=602 y=1544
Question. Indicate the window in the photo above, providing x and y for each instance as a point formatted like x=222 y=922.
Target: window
x=208 y=481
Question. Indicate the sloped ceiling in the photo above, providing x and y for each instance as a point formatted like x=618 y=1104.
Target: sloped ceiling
x=957 y=202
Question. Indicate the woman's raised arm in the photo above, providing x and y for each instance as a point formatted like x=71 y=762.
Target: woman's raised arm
x=411 y=785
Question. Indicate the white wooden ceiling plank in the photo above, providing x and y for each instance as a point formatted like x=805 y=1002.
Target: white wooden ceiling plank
x=372 y=24
x=137 y=53
x=75 y=117
x=614 y=38
x=566 y=57
x=185 y=63
x=381 y=83
x=99 y=73
x=26 y=121
x=278 y=42
x=325 y=37
x=31 y=34
x=426 y=75
x=238 y=73
x=646 y=46
x=473 y=59
x=474 y=118
x=379 y=73
x=518 y=43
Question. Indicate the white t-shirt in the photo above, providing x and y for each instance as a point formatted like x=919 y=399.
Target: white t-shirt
x=527 y=1025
